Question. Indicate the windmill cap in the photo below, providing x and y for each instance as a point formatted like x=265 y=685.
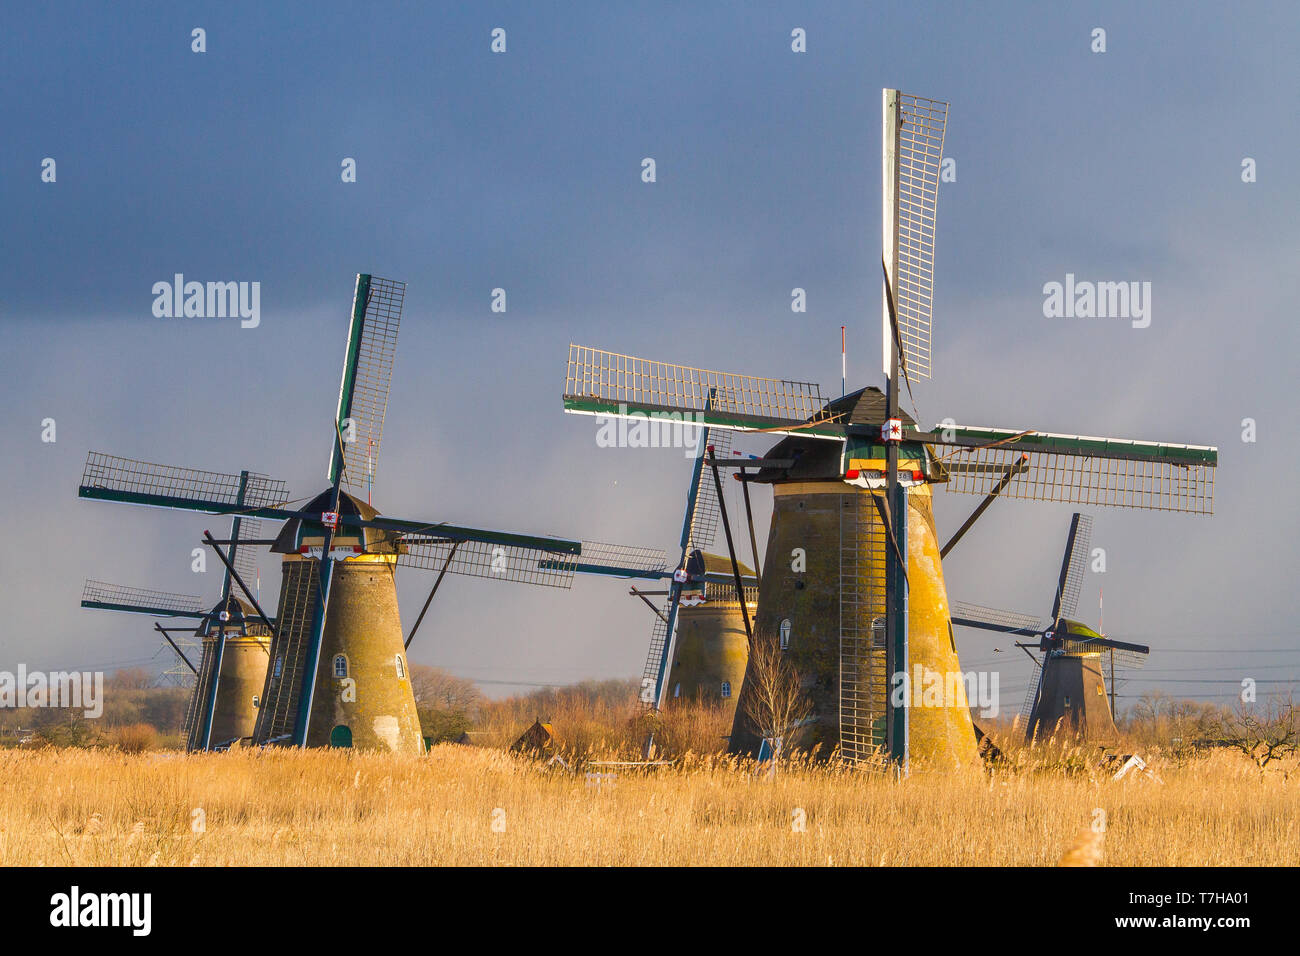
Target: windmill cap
x=238 y=614
x=299 y=532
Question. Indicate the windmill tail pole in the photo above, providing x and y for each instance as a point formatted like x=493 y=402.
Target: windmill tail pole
x=1015 y=468
x=731 y=550
x=207 y=536
x=749 y=518
x=181 y=654
x=434 y=590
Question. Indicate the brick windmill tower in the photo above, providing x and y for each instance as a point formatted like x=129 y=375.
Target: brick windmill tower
x=853 y=576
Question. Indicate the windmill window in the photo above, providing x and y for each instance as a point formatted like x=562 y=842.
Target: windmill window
x=340 y=666
x=877 y=632
x=786 y=627
x=677 y=690
x=279 y=666
x=726 y=689
x=1067 y=700
x=256 y=702
x=401 y=668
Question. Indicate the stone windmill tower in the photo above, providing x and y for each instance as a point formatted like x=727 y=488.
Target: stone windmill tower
x=853 y=571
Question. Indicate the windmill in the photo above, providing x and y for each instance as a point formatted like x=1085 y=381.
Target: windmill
x=853 y=570
x=338 y=673
x=1068 y=688
x=699 y=642
x=233 y=644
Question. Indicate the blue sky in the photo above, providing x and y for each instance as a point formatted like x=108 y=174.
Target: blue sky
x=522 y=171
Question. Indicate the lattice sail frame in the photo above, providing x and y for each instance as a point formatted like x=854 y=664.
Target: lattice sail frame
x=997 y=618
x=610 y=383
x=479 y=559
x=376 y=353
x=250 y=529
x=288 y=651
x=863 y=671
x=177 y=487
x=1077 y=566
x=1118 y=473
x=911 y=194
x=144 y=600
x=706 y=514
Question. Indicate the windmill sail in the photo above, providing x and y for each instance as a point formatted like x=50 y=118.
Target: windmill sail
x=367 y=375
x=117 y=597
x=111 y=478
x=863 y=668
x=525 y=565
x=993 y=619
x=623 y=386
x=1073 y=567
x=913 y=151
x=298 y=599
x=1077 y=469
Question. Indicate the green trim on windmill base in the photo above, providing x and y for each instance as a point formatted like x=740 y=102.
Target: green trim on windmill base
x=699 y=417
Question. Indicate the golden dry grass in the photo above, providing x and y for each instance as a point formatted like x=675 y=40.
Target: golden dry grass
x=105 y=807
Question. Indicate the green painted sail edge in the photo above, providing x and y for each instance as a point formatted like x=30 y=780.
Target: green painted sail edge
x=1087 y=447
x=712 y=418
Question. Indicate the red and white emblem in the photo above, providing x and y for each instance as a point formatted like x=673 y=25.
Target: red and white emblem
x=330 y=519
x=892 y=430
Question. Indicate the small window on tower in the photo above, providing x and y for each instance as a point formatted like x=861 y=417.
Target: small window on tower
x=279 y=665
x=878 y=632
x=340 y=667
x=677 y=690
x=1067 y=701
x=726 y=689
x=401 y=668
x=786 y=627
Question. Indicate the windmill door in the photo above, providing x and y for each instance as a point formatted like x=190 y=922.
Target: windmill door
x=341 y=736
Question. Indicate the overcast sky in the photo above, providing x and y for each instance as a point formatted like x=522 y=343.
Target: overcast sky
x=522 y=170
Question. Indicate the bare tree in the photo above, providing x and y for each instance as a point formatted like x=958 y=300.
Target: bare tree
x=774 y=699
x=435 y=688
x=1266 y=735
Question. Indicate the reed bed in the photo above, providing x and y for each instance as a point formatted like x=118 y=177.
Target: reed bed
x=466 y=805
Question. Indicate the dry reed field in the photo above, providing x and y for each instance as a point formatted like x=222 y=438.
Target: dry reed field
x=462 y=805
